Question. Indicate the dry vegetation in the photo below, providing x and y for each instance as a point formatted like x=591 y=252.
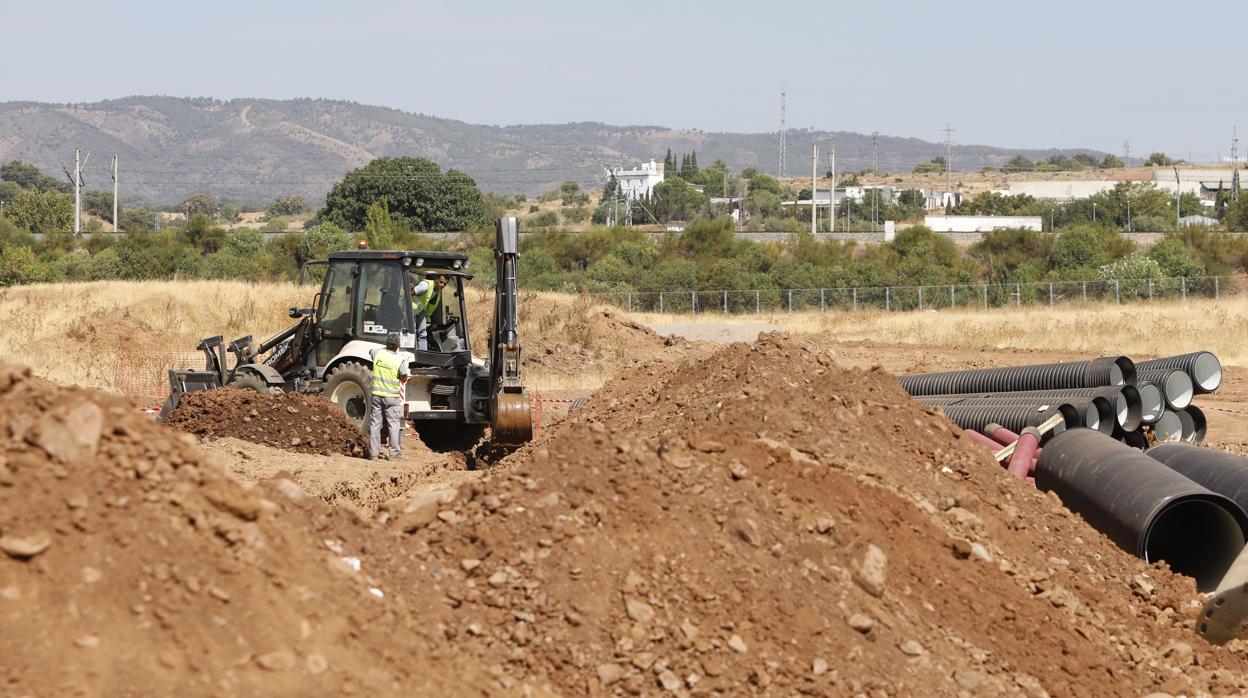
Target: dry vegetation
x=1159 y=328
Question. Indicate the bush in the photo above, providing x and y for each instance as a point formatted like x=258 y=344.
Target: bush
x=576 y=215
x=543 y=220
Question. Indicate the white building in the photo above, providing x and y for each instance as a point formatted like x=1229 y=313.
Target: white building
x=982 y=224
x=1061 y=189
x=639 y=183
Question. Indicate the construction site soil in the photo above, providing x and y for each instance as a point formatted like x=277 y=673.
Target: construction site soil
x=755 y=521
x=289 y=421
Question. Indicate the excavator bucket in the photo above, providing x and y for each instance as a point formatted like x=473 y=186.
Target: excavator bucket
x=513 y=418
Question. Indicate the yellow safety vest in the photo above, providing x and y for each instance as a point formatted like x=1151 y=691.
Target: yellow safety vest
x=386 y=374
x=424 y=303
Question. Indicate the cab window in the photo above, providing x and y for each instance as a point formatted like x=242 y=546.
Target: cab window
x=381 y=301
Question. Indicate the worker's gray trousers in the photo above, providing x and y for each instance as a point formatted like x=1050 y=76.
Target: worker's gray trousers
x=390 y=409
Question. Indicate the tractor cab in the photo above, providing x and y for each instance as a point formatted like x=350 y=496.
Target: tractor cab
x=367 y=294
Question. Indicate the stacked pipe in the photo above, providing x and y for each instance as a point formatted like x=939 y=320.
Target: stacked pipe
x=1136 y=403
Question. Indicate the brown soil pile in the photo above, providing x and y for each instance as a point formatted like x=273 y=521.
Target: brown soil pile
x=765 y=522
x=133 y=565
x=289 y=421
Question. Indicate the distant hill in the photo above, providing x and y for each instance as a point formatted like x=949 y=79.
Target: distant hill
x=253 y=150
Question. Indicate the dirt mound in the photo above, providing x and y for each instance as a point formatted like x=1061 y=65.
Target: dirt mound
x=765 y=522
x=289 y=421
x=131 y=564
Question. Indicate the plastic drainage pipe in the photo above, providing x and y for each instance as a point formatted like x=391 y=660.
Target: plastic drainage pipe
x=1222 y=472
x=1000 y=434
x=1135 y=439
x=1168 y=428
x=982 y=440
x=1094 y=412
x=1013 y=417
x=1194 y=425
x=1152 y=402
x=1126 y=399
x=1202 y=366
x=1109 y=370
x=1175 y=385
x=1145 y=507
x=1024 y=453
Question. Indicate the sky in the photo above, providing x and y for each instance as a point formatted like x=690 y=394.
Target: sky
x=1050 y=73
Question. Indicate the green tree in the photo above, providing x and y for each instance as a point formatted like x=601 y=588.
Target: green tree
x=29 y=177
x=1019 y=163
x=205 y=204
x=1174 y=259
x=201 y=234
x=1158 y=160
x=418 y=194
x=99 y=203
x=1111 y=161
x=42 y=213
x=289 y=205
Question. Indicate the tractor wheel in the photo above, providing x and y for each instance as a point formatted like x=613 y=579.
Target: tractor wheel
x=447 y=435
x=350 y=386
x=250 y=381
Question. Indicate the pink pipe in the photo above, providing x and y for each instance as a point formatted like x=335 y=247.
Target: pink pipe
x=982 y=440
x=1000 y=434
x=1024 y=453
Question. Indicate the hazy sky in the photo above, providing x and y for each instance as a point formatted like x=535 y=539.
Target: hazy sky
x=1058 y=73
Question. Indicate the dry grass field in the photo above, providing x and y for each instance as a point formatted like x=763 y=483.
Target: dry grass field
x=1140 y=329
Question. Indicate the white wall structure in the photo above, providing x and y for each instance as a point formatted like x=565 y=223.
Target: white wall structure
x=981 y=224
x=1061 y=190
x=639 y=183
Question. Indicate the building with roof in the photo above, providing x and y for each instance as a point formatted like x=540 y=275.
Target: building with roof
x=639 y=183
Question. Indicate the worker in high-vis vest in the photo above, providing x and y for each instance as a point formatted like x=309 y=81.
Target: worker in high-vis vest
x=426 y=297
x=390 y=374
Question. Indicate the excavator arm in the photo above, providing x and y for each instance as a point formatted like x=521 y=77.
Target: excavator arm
x=511 y=419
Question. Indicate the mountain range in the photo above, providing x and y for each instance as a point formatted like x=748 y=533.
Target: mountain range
x=251 y=151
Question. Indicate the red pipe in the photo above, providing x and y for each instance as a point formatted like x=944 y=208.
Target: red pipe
x=982 y=440
x=1024 y=453
x=1000 y=434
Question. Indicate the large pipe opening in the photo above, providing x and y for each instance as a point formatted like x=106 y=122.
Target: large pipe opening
x=1178 y=389
x=1152 y=402
x=1128 y=407
x=1207 y=372
x=1197 y=536
x=1168 y=427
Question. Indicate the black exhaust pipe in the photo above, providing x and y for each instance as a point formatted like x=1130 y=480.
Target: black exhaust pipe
x=1202 y=366
x=1145 y=507
x=1107 y=370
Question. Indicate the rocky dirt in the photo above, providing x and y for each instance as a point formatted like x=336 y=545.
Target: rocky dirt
x=765 y=522
x=289 y=421
x=132 y=564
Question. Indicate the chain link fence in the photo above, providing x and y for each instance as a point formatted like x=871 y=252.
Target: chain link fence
x=890 y=298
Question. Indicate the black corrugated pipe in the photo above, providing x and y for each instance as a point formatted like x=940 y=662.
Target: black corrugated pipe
x=1152 y=401
x=1175 y=385
x=1126 y=399
x=1135 y=439
x=1107 y=370
x=1013 y=417
x=1095 y=412
x=1194 y=424
x=1202 y=366
x=1222 y=472
x=1143 y=506
x=1168 y=427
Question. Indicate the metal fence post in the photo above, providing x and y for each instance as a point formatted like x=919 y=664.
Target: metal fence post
x=630 y=301
x=1150 y=289
x=693 y=301
x=855 y=297
x=823 y=307
x=1085 y=292
x=660 y=302
x=725 y=302
x=1117 y=295
x=757 y=306
x=1018 y=294
x=985 y=289
x=1184 y=280
x=952 y=300
x=790 y=300
x=888 y=298
x=1217 y=290
x=920 y=298
x=1050 y=293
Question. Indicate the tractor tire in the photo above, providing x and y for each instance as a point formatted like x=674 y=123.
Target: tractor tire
x=350 y=386
x=250 y=381
x=443 y=435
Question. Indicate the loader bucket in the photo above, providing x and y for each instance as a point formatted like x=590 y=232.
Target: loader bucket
x=187 y=382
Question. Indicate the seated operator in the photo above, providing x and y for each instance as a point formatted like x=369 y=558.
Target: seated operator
x=426 y=297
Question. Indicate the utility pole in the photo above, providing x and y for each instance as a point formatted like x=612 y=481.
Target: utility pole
x=832 y=190
x=875 y=172
x=782 y=131
x=76 y=180
x=1178 y=197
x=1126 y=153
x=1234 y=163
x=116 y=229
x=814 y=187
x=948 y=158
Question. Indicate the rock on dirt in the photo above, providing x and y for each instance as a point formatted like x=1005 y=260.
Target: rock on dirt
x=289 y=421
